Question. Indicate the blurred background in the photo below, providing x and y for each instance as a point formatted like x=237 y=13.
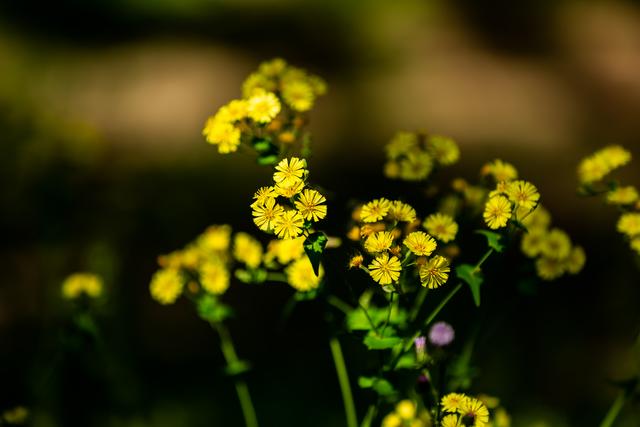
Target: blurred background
x=103 y=167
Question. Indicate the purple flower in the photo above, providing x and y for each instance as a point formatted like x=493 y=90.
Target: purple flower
x=421 y=348
x=441 y=334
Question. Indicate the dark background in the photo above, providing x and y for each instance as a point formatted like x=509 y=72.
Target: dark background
x=103 y=167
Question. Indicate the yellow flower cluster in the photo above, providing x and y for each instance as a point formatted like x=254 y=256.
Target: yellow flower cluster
x=274 y=100
x=388 y=232
x=598 y=165
x=555 y=254
x=289 y=254
x=461 y=410
x=15 y=416
x=406 y=414
x=412 y=156
x=511 y=198
x=79 y=284
x=299 y=208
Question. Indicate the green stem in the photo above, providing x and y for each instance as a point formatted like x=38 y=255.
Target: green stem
x=422 y=294
x=368 y=418
x=229 y=352
x=614 y=410
x=339 y=304
x=388 y=313
x=345 y=386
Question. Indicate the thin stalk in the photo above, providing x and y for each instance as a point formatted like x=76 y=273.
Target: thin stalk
x=368 y=418
x=422 y=294
x=614 y=410
x=343 y=379
x=229 y=352
x=386 y=323
x=339 y=304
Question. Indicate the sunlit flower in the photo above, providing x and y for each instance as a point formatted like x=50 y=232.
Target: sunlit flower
x=497 y=212
x=444 y=150
x=524 y=194
x=215 y=238
x=392 y=420
x=356 y=261
x=615 y=156
x=214 y=277
x=298 y=95
x=385 y=269
x=223 y=134
x=441 y=226
x=263 y=194
x=435 y=272
x=622 y=195
x=475 y=411
x=264 y=216
x=285 y=251
x=290 y=171
x=416 y=166
x=401 y=144
x=273 y=67
x=406 y=409
x=629 y=224
x=557 y=244
x=453 y=402
x=420 y=243
x=166 y=285
x=538 y=218
x=289 y=191
x=263 y=107
x=234 y=111
x=301 y=277
x=310 y=205
x=592 y=169
x=500 y=171
x=378 y=242
x=82 y=283
x=247 y=249
x=375 y=210
x=288 y=225
x=533 y=242
x=451 y=420
x=400 y=211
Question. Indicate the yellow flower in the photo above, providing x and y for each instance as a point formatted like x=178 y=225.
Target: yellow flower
x=501 y=418
x=247 y=249
x=82 y=283
x=273 y=67
x=406 y=409
x=401 y=144
x=500 y=171
x=497 y=212
x=523 y=194
x=288 y=225
x=557 y=244
x=452 y=402
x=310 y=205
x=622 y=195
x=375 y=210
x=223 y=134
x=533 y=242
x=392 y=420
x=263 y=107
x=299 y=95
x=629 y=224
x=257 y=83
x=356 y=261
x=539 y=218
x=635 y=244
x=234 y=111
x=435 y=272
x=420 y=243
x=214 y=277
x=263 y=194
x=400 y=211
x=502 y=188
x=285 y=251
x=592 y=169
x=475 y=410
x=166 y=286
x=290 y=172
x=384 y=269
x=615 y=156
x=575 y=261
x=264 y=216
x=444 y=150
x=549 y=268
x=289 y=191
x=215 y=238
x=301 y=277
x=416 y=166
x=441 y=226
x=378 y=242
x=451 y=420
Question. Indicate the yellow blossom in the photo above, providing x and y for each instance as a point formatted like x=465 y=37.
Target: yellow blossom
x=538 y=218
x=392 y=420
x=298 y=94
x=247 y=249
x=273 y=67
x=356 y=261
x=234 y=111
x=416 y=166
x=223 y=134
x=523 y=194
x=444 y=150
x=378 y=242
x=533 y=242
x=214 y=277
x=400 y=211
x=406 y=409
x=166 y=285
x=285 y=251
x=264 y=216
x=301 y=277
x=549 y=268
x=441 y=226
x=289 y=191
x=475 y=410
x=451 y=420
x=288 y=225
x=82 y=283
x=263 y=106
x=401 y=144
x=435 y=272
x=392 y=169
x=629 y=224
x=500 y=171
x=452 y=402
x=215 y=238
x=575 y=261
x=290 y=171
x=257 y=83
x=263 y=194
x=497 y=212
x=622 y=195
x=420 y=243
x=592 y=169
x=384 y=269
x=615 y=156
x=375 y=210
x=311 y=206
x=557 y=244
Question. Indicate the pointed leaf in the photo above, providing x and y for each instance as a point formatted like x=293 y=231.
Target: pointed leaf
x=374 y=342
x=314 y=246
x=472 y=277
x=493 y=240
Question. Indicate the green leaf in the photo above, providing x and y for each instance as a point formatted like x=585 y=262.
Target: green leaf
x=472 y=277
x=374 y=342
x=407 y=360
x=357 y=321
x=238 y=367
x=379 y=385
x=212 y=310
x=314 y=246
x=493 y=240
x=266 y=160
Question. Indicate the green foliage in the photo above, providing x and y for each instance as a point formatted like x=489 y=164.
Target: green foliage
x=387 y=340
x=314 y=246
x=268 y=153
x=493 y=240
x=472 y=277
x=212 y=310
x=357 y=320
x=377 y=384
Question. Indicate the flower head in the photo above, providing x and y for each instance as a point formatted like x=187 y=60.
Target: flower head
x=290 y=171
x=435 y=272
x=524 y=194
x=214 y=277
x=444 y=150
x=497 y=212
x=265 y=216
x=263 y=106
x=556 y=245
x=401 y=144
x=223 y=134
x=288 y=225
x=310 y=205
x=247 y=249
x=629 y=224
x=575 y=261
x=384 y=269
x=420 y=243
x=500 y=171
x=263 y=194
x=299 y=95
x=453 y=402
x=441 y=226
x=406 y=409
x=378 y=242
x=375 y=210
x=285 y=251
x=416 y=166
x=475 y=412
x=82 y=283
x=441 y=334
x=301 y=276
x=166 y=285
x=400 y=211
x=549 y=268
x=215 y=238
x=451 y=420
x=622 y=195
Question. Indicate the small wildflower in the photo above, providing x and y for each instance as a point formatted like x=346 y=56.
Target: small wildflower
x=385 y=269
x=453 y=402
x=263 y=194
x=82 y=283
x=451 y=420
x=290 y=191
x=592 y=169
x=441 y=226
x=629 y=224
x=285 y=251
x=401 y=144
x=263 y=107
x=497 y=212
x=265 y=216
x=575 y=261
x=290 y=171
x=400 y=211
x=538 y=218
x=500 y=171
x=214 y=277
x=166 y=285
x=416 y=166
x=435 y=272
x=288 y=225
x=475 y=411
x=615 y=156
x=215 y=238
x=378 y=242
x=523 y=194
x=310 y=205
x=622 y=195
x=298 y=95
x=444 y=150
x=356 y=261
x=533 y=242
x=392 y=420
x=375 y=210
x=301 y=277
x=406 y=409
x=441 y=334
x=420 y=243
x=549 y=268
x=223 y=134
x=247 y=249
x=556 y=245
